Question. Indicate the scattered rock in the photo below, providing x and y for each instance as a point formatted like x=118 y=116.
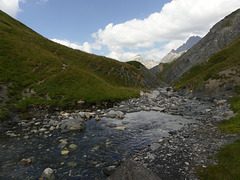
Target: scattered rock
x=120 y=128
x=154 y=94
x=154 y=146
x=48 y=174
x=27 y=161
x=134 y=171
x=64 y=152
x=88 y=115
x=115 y=114
x=72 y=125
x=73 y=146
x=97 y=118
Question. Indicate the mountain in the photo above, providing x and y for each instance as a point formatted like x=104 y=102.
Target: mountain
x=218 y=77
x=35 y=70
x=150 y=78
x=183 y=48
x=147 y=63
x=220 y=35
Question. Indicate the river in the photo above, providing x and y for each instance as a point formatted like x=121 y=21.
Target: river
x=83 y=155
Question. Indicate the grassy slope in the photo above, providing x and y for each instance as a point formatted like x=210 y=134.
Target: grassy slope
x=30 y=61
x=227 y=58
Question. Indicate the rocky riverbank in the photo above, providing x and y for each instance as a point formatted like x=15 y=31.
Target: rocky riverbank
x=174 y=155
x=194 y=146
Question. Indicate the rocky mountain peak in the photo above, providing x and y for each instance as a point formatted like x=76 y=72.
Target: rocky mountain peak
x=173 y=54
x=220 y=35
x=147 y=63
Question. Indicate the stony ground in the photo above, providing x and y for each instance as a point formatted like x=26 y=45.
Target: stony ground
x=195 y=145
x=175 y=156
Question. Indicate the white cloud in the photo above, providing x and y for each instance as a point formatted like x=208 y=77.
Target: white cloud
x=85 y=47
x=176 y=22
x=10 y=7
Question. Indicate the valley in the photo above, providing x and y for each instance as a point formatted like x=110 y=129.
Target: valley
x=68 y=114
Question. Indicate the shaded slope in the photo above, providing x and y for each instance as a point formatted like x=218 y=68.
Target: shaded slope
x=150 y=79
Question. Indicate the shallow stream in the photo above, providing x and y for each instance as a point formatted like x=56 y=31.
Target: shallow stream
x=83 y=155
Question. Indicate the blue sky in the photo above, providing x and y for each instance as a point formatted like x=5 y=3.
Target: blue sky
x=120 y=29
x=76 y=20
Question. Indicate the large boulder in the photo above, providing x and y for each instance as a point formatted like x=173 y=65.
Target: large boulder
x=116 y=114
x=72 y=124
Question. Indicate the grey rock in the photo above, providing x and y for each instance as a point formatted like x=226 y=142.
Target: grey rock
x=134 y=171
x=72 y=124
x=114 y=114
x=154 y=146
x=158 y=109
x=154 y=94
x=48 y=174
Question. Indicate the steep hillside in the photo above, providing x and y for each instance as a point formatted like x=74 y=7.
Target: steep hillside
x=35 y=70
x=150 y=78
x=219 y=36
x=174 y=54
x=220 y=75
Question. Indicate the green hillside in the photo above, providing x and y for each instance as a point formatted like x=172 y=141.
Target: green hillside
x=35 y=70
x=222 y=68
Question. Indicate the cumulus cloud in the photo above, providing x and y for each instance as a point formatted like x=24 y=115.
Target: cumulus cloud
x=85 y=47
x=10 y=7
x=176 y=22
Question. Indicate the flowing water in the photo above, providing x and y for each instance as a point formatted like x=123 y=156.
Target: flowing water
x=83 y=155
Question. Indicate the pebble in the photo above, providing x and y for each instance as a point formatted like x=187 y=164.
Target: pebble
x=64 y=152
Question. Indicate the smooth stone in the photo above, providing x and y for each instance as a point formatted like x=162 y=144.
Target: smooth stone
x=42 y=129
x=72 y=124
x=88 y=115
x=155 y=146
x=62 y=144
x=97 y=118
x=73 y=146
x=48 y=174
x=115 y=114
x=154 y=94
x=120 y=128
x=27 y=161
x=64 y=152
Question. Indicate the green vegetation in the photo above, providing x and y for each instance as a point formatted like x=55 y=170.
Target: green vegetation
x=227 y=58
x=228 y=164
x=232 y=125
x=136 y=64
x=229 y=156
x=53 y=74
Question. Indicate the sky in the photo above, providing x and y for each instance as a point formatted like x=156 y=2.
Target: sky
x=120 y=29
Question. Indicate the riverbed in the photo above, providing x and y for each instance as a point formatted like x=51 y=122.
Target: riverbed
x=162 y=130
x=88 y=152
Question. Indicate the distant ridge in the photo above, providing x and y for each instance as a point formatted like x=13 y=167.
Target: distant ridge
x=220 y=35
x=179 y=51
x=147 y=63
